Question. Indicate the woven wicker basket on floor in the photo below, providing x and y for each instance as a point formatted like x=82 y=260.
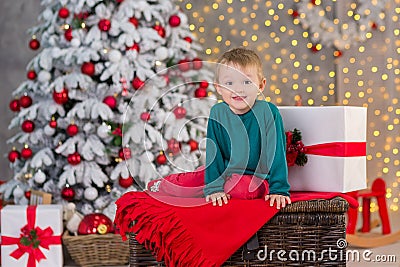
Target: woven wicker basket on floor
x=303 y=228
x=97 y=250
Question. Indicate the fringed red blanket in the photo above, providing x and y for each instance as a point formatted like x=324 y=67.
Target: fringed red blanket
x=189 y=232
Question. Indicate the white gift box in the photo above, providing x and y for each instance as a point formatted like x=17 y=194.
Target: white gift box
x=41 y=217
x=342 y=170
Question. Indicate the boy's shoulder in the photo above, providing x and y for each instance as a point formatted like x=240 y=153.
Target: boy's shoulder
x=218 y=107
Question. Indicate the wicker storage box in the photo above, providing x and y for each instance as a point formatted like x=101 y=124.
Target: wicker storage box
x=97 y=250
x=304 y=228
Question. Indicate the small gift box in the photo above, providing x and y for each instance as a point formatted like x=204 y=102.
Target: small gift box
x=334 y=140
x=31 y=236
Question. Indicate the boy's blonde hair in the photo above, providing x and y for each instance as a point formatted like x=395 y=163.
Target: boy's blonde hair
x=243 y=57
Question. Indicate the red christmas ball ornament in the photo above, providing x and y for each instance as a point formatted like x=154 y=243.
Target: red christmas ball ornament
x=25 y=101
x=125 y=153
x=68 y=34
x=188 y=39
x=135 y=46
x=68 y=193
x=31 y=75
x=180 y=112
x=200 y=92
x=313 y=2
x=14 y=105
x=316 y=48
x=295 y=14
x=26 y=153
x=27 y=194
x=134 y=21
x=13 y=155
x=184 y=65
x=88 y=68
x=119 y=1
x=72 y=129
x=61 y=97
x=160 y=30
x=53 y=123
x=104 y=25
x=28 y=126
x=145 y=116
x=125 y=182
x=174 y=146
x=95 y=223
x=197 y=63
x=203 y=84
x=137 y=83
x=374 y=26
x=161 y=159
x=63 y=13
x=193 y=145
x=174 y=21
x=34 y=44
x=110 y=101
x=74 y=159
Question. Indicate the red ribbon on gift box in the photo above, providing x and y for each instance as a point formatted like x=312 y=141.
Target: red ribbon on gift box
x=45 y=238
x=338 y=149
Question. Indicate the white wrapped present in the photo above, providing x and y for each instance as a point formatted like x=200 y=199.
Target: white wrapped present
x=335 y=141
x=31 y=236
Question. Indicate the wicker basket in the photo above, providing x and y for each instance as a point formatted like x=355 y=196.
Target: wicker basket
x=97 y=250
x=301 y=227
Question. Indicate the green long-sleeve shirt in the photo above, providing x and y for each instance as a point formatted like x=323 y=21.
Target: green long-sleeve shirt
x=251 y=143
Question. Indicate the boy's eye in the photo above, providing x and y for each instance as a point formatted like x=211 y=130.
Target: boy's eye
x=247 y=82
x=228 y=83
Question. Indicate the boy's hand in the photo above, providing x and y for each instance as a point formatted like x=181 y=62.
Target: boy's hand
x=279 y=199
x=218 y=197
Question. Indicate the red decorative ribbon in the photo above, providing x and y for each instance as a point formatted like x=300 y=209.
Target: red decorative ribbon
x=338 y=149
x=45 y=237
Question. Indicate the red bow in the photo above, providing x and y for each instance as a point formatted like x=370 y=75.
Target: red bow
x=31 y=239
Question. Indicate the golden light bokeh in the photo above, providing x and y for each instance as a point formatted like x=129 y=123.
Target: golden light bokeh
x=365 y=74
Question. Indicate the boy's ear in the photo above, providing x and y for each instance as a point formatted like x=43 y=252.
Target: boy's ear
x=262 y=84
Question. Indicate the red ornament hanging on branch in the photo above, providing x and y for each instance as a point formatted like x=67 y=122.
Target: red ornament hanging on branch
x=180 y=112
x=63 y=13
x=68 y=35
x=53 y=123
x=184 y=65
x=31 y=75
x=200 y=92
x=174 y=21
x=26 y=152
x=161 y=159
x=28 y=126
x=110 y=101
x=188 y=39
x=72 y=129
x=28 y=194
x=88 y=68
x=135 y=46
x=145 y=116
x=25 y=101
x=104 y=25
x=13 y=155
x=125 y=182
x=125 y=153
x=74 y=159
x=61 y=97
x=174 y=146
x=68 y=193
x=203 y=84
x=34 y=44
x=197 y=63
x=160 y=30
x=137 y=83
x=193 y=145
x=134 y=21
x=14 y=105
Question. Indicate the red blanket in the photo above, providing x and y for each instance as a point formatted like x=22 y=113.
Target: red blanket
x=188 y=232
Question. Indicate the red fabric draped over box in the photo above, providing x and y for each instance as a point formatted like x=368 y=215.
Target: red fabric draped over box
x=338 y=149
x=189 y=232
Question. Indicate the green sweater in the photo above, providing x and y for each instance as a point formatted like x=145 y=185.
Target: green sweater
x=251 y=143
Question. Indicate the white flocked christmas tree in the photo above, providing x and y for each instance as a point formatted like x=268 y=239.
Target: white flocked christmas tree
x=115 y=97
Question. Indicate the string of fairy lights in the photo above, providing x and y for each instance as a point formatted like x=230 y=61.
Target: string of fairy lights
x=303 y=67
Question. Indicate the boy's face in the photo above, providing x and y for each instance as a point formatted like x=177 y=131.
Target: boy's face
x=239 y=86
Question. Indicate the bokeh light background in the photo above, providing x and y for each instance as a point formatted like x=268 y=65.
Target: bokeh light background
x=366 y=74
